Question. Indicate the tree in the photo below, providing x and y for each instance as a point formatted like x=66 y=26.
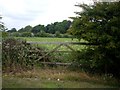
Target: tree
x=66 y=25
x=50 y=28
x=21 y=30
x=62 y=27
x=12 y=30
x=26 y=34
x=28 y=28
x=3 y=29
x=57 y=34
x=99 y=24
x=37 y=29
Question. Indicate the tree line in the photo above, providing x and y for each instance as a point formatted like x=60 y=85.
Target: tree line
x=58 y=29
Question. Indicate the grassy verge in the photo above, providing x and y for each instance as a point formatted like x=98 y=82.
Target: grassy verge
x=56 y=78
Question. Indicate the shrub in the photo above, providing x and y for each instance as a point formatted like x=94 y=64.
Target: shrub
x=99 y=24
x=97 y=60
x=26 y=34
x=17 y=55
x=58 y=34
x=4 y=34
x=82 y=60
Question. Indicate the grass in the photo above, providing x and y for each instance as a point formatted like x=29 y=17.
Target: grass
x=44 y=39
x=48 y=78
x=52 y=46
x=37 y=83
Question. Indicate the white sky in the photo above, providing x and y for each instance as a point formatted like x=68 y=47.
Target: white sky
x=20 y=13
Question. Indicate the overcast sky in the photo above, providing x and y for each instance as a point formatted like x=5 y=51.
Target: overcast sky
x=20 y=13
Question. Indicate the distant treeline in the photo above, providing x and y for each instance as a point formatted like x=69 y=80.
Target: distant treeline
x=56 y=29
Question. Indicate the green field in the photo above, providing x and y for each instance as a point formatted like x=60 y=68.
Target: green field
x=44 y=39
x=52 y=46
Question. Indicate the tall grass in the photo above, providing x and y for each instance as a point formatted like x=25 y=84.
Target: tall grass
x=48 y=78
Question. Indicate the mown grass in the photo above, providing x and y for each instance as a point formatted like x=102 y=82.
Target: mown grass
x=48 y=78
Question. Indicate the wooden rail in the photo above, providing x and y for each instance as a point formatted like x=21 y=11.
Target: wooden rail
x=56 y=63
x=66 y=44
x=74 y=43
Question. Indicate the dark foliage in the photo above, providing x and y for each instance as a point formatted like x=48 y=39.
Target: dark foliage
x=41 y=30
x=99 y=23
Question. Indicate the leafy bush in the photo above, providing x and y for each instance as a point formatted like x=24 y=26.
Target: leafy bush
x=15 y=34
x=58 y=34
x=82 y=60
x=4 y=34
x=42 y=34
x=26 y=34
x=97 y=60
x=99 y=24
x=17 y=55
